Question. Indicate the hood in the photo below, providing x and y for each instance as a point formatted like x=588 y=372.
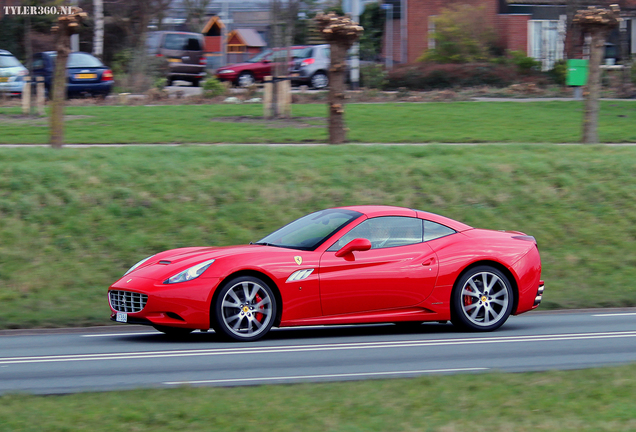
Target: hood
x=171 y=262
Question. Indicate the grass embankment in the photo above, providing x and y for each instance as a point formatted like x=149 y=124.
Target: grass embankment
x=587 y=400
x=536 y=122
x=72 y=221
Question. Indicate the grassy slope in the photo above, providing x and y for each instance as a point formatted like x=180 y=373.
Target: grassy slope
x=72 y=221
x=587 y=400
x=536 y=122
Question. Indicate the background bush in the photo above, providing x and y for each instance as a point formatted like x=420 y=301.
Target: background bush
x=213 y=88
x=432 y=76
x=373 y=76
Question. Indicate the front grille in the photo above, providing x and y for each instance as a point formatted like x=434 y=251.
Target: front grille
x=127 y=301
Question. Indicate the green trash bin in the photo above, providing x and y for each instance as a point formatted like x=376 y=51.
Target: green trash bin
x=577 y=72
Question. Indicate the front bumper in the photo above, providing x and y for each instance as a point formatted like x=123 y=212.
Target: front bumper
x=184 y=305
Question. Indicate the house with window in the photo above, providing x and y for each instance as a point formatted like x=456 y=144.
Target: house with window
x=537 y=27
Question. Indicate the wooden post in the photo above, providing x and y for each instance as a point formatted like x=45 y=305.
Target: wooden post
x=267 y=97
x=26 y=96
x=40 y=95
x=283 y=98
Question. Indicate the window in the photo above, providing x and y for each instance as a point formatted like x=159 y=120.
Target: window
x=546 y=41
x=385 y=232
x=433 y=230
x=309 y=232
x=181 y=42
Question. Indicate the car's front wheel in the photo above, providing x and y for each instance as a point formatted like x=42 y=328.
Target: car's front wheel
x=245 y=79
x=482 y=299
x=319 y=80
x=244 y=310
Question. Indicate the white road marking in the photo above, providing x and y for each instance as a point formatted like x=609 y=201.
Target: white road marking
x=317 y=347
x=346 y=375
x=615 y=314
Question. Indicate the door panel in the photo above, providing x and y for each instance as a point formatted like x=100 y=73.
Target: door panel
x=377 y=279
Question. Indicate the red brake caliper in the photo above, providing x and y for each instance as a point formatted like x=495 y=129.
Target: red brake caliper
x=468 y=300
x=257 y=315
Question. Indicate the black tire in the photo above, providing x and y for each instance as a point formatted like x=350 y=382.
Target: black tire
x=173 y=331
x=195 y=83
x=319 y=80
x=245 y=79
x=169 y=82
x=244 y=309
x=482 y=299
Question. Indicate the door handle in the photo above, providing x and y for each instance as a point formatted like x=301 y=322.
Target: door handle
x=429 y=262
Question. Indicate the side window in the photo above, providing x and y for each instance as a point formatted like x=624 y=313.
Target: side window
x=38 y=63
x=385 y=232
x=433 y=230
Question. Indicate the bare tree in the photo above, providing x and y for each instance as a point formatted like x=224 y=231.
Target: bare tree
x=341 y=32
x=98 y=32
x=196 y=10
x=597 y=22
x=67 y=25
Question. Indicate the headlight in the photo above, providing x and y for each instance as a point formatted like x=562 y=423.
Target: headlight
x=226 y=71
x=191 y=273
x=138 y=264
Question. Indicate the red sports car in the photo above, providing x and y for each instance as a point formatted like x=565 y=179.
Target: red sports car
x=348 y=265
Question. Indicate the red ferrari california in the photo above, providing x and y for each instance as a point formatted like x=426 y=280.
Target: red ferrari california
x=348 y=265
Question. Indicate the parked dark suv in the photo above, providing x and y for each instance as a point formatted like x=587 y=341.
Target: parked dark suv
x=183 y=51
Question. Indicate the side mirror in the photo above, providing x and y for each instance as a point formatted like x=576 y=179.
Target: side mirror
x=359 y=244
x=267 y=61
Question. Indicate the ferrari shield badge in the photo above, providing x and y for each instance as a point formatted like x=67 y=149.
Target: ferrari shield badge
x=298 y=259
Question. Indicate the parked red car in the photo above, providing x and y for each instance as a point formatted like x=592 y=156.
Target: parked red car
x=258 y=67
x=359 y=264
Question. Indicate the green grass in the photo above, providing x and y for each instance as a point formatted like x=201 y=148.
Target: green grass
x=585 y=400
x=72 y=221
x=537 y=122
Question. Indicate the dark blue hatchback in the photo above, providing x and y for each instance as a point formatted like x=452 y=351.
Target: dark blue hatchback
x=85 y=73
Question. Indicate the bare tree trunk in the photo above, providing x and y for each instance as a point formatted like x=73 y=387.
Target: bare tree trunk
x=590 y=119
x=337 y=130
x=63 y=47
x=98 y=35
x=626 y=61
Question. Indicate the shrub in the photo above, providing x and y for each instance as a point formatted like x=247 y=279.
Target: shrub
x=373 y=76
x=526 y=65
x=559 y=72
x=431 y=76
x=213 y=87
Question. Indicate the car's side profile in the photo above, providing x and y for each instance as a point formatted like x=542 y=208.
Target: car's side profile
x=359 y=264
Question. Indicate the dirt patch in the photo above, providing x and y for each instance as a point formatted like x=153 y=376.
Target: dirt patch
x=35 y=121
x=297 y=122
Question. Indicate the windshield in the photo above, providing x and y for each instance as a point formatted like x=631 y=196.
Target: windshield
x=80 y=60
x=9 y=61
x=259 y=57
x=309 y=232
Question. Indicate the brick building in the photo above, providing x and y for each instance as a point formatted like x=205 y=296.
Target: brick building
x=536 y=27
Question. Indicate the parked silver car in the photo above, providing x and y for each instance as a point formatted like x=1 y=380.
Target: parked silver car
x=12 y=73
x=312 y=66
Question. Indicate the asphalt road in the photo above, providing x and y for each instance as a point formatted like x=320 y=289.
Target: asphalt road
x=126 y=357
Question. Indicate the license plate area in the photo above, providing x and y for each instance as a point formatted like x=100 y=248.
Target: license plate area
x=174 y=60
x=4 y=79
x=85 y=76
x=121 y=317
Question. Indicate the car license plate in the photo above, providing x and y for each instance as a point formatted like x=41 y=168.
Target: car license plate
x=295 y=74
x=174 y=60
x=86 y=76
x=121 y=317
x=4 y=79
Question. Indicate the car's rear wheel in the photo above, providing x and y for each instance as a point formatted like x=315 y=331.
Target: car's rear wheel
x=482 y=299
x=245 y=79
x=195 y=83
x=173 y=331
x=319 y=80
x=244 y=310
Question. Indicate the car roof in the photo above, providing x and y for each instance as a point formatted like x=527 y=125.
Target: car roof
x=381 y=210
